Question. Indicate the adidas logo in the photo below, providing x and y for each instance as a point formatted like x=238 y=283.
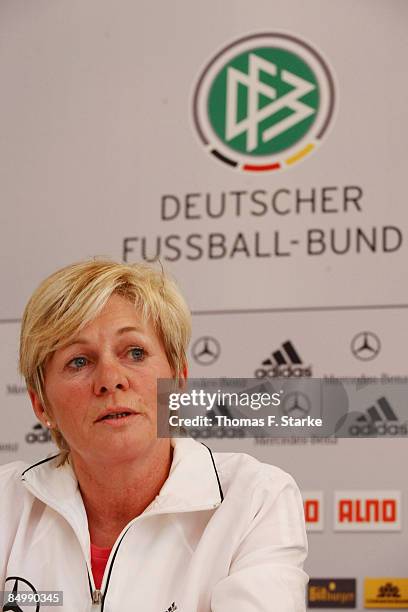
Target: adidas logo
x=378 y=420
x=172 y=608
x=39 y=433
x=284 y=362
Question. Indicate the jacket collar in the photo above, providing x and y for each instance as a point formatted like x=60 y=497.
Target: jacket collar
x=192 y=484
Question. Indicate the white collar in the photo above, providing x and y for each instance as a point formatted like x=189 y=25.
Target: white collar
x=192 y=484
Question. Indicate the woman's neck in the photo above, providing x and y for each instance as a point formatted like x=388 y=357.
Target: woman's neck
x=115 y=494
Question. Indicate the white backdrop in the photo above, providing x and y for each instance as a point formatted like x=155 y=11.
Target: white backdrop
x=98 y=149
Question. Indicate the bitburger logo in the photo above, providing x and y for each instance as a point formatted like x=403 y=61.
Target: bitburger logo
x=264 y=102
x=332 y=593
x=284 y=362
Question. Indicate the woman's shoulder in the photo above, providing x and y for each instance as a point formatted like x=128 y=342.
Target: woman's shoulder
x=240 y=471
x=10 y=476
x=13 y=493
x=256 y=489
x=12 y=471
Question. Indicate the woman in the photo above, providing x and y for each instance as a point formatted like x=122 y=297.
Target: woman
x=120 y=519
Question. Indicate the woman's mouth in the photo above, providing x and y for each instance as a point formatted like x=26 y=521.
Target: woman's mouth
x=121 y=415
x=115 y=414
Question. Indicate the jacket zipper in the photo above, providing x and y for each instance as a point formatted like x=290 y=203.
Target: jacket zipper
x=98 y=595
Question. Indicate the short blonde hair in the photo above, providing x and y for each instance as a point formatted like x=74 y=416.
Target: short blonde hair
x=74 y=295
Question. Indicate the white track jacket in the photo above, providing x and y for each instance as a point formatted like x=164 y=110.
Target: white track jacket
x=225 y=534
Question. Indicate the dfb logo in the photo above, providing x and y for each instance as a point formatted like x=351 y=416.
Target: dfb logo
x=263 y=102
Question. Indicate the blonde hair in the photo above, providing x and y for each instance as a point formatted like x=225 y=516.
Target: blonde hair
x=74 y=295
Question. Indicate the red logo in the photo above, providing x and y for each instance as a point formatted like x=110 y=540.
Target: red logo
x=312 y=510
x=313 y=507
x=367 y=510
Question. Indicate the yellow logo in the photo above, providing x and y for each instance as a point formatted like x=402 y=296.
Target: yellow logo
x=386 y=593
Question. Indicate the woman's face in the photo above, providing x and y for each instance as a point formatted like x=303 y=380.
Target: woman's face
x=101 y=387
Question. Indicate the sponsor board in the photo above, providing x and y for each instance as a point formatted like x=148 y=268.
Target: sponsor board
x=331 y=593
x=314 y=510
x=386 y=593
x=367 y=510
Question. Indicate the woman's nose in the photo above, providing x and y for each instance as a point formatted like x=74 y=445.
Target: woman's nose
x=110 y=376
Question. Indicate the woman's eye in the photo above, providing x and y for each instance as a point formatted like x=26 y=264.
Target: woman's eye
x=137 y=353
x=78 y=362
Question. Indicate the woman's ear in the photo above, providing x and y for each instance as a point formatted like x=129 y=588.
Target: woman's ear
x=182 y=379
x=39 y=409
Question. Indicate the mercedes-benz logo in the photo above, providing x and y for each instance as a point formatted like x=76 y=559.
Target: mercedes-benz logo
x=20 y=585
x=296 y=404
x=206 y=350
x=365 y=346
